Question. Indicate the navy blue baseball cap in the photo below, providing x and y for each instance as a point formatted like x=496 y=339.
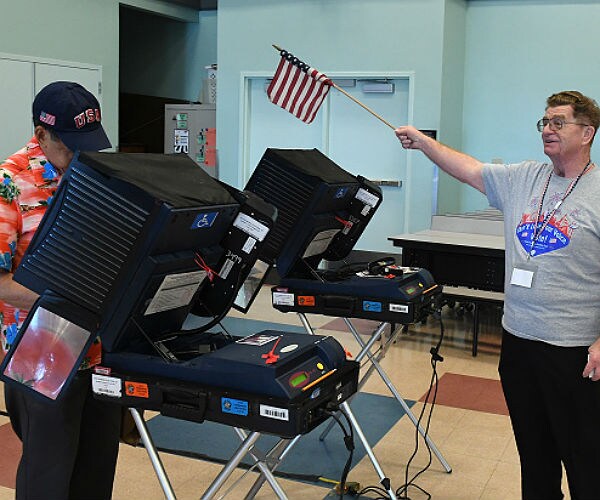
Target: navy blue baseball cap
x=73 y=114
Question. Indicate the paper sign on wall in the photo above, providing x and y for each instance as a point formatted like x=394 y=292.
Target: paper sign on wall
x=181 y=142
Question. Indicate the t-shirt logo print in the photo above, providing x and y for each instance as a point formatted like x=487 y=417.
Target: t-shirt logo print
x=556 y=235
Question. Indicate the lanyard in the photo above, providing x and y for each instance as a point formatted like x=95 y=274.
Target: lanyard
x=538 y=230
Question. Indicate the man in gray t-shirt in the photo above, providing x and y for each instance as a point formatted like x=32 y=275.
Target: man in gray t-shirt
x=550 y=358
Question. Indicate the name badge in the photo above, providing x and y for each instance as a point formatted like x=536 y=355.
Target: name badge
x=522 y=277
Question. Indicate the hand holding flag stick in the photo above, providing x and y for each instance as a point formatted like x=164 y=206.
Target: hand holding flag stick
x=300 y=89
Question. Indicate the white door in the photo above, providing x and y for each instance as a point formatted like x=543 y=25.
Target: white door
x=269 y=126
x=346 y=133
x=364 y=145
x=16 y=91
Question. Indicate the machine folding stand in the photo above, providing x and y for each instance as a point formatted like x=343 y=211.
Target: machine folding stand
x=366 y=351
x=266 y=462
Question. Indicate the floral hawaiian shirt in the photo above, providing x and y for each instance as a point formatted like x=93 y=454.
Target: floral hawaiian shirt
x=27 y=184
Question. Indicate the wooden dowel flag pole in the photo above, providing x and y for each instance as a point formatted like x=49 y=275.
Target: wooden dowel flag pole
x=300 y=89
x=363 y=106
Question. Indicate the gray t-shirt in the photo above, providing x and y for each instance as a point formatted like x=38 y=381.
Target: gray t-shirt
x=562 y=307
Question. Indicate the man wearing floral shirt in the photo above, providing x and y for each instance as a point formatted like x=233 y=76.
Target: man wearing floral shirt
x=69 y=446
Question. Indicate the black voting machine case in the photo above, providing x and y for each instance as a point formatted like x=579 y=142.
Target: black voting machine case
x=322 y=213
x=134 y=243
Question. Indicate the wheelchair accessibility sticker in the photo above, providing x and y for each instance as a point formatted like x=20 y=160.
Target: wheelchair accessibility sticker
x=341 y=192
x=204 y=220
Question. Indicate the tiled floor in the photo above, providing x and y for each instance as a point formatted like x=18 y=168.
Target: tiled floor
x=469 y=424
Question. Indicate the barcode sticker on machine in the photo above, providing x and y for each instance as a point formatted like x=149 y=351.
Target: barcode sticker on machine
x=273 y=412
x=366 y=197
x=249 y=245
x=399 y=308
x=226 y=268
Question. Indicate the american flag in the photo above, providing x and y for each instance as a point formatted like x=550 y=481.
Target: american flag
x=298 y=88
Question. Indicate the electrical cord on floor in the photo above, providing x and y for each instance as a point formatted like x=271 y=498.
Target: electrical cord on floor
x=402 y=491
x=382 y=493
x=349 y=442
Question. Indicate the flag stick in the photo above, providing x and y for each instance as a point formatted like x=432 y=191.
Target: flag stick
x=354 y=99
x=363 y=106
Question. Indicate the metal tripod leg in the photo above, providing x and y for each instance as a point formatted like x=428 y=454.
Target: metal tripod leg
x=153 y=454
x=274 y=456
x=244 y=448
x=306 y=324
x=397 y=395
x=379 y=357
x=363 y=352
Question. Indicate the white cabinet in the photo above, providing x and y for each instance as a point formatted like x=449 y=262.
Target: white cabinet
x=16 y=90
x=21 y=77
x=90 y=78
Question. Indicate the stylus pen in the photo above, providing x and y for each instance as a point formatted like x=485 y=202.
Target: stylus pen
x=322 y=377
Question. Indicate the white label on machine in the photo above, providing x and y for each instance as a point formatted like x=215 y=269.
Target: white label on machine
x=251 y=226
x=320 y=242
x=226 y=268
x=108 y=386
x=257 y=339
x=366 y=197
x=366 y=209
x=175 y=291
x=249 y=245
x=399 y=308
x=273 y=412
x=283 y=299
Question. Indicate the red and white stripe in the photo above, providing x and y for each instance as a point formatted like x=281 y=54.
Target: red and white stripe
x=299 y=92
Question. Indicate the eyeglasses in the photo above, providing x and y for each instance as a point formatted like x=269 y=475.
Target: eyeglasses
x=556 y=123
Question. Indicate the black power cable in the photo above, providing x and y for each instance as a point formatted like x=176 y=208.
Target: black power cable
x=218 y=318
x=348 y=441
x=402 y=491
